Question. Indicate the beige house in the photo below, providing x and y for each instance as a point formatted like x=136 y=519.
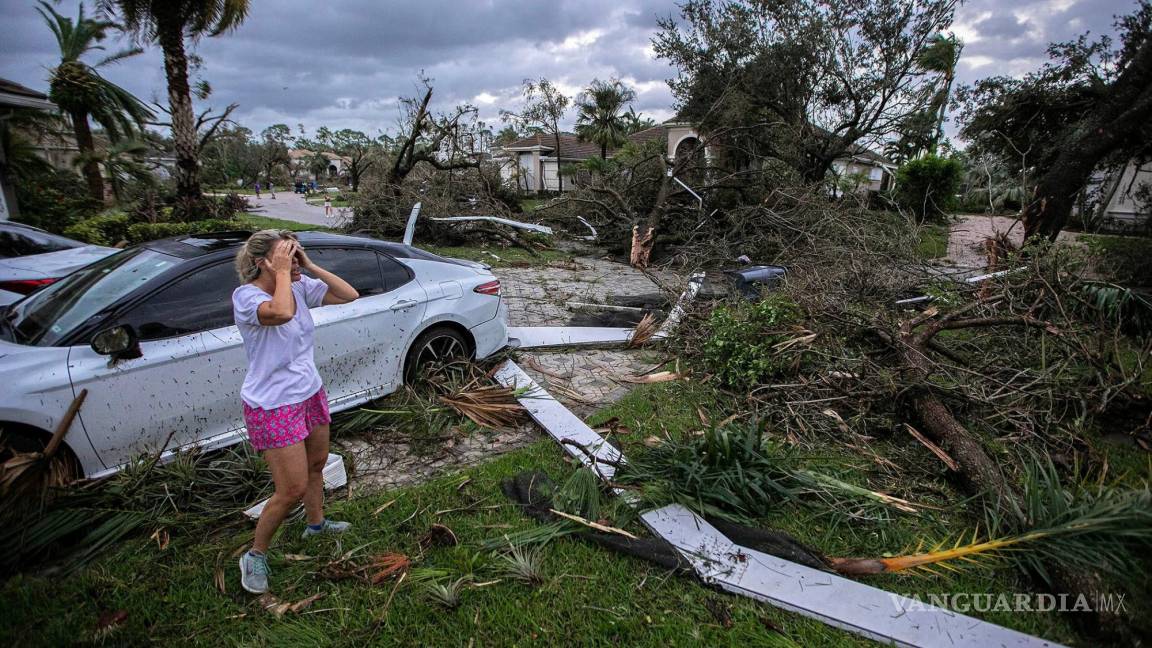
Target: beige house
x=300 y=161
x=531 y=163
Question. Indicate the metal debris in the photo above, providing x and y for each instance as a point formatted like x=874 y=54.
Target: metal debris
x=536 y=337
x=543 y=229
x=862 y=609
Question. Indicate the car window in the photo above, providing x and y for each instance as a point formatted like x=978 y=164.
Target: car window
x=197 y=302
x=48 y=315
x=358 y=267
x=395 y=273
x=22 y=242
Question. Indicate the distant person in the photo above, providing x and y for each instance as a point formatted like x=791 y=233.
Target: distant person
x=271 y=188
x=285 y=407
x=328 y=206
x=257 y=187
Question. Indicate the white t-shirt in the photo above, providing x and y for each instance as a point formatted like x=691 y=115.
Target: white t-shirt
x=281 y=359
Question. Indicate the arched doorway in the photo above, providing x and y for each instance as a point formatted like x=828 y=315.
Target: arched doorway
x=690 y=147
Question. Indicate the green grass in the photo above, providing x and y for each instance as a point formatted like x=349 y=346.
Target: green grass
x=590 y=596
x=265 y=222
x=509 y=257
x=319 y=202
x=933 y=241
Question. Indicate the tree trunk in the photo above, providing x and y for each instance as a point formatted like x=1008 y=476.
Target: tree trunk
x=90 y=169
x=187 y=148
x=559 y=177
x=603 y=151
x=1120 y=116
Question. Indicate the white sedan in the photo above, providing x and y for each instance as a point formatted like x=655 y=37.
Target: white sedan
x=149 y=333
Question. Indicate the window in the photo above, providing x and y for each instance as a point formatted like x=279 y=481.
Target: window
x=358 y=267
x=24 y=241
x=396 y=274
x=51 y=313
x=198 y=302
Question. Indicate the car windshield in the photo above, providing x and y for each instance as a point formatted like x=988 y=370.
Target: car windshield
x=23 y=241
x=49 y=314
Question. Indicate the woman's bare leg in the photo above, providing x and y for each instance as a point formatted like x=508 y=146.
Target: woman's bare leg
x=317 y=447
x=289 y=467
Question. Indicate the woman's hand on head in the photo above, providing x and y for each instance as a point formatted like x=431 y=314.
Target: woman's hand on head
x=280 y=260
x=302 y=258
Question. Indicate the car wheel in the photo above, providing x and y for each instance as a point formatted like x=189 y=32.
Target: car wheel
x=434 y=352
x=37 y=478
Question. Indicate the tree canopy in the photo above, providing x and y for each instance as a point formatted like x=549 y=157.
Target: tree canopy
x=803 y=81
x=1089 y=107
x=600 y=118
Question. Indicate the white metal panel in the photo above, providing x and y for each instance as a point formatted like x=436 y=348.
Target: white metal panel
x=534 y=337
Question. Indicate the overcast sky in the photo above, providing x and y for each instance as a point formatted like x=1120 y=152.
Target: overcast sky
x=343 y=63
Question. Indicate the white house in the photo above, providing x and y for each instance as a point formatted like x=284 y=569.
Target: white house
x=1125 y=193
x=531 y=163
x=301 y=164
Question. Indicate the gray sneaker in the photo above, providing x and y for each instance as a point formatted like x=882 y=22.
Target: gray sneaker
x=254 y=572
x=330 y=526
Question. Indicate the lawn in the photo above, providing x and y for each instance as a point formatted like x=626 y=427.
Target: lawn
x=933 y=241
x=588 y=596
x=257 y=222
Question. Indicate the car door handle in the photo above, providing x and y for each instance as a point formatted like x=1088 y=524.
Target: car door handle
x=402 y=304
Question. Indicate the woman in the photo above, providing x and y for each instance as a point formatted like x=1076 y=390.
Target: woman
x=285 y=407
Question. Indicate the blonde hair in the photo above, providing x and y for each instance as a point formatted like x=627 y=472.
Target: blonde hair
x=258 y=246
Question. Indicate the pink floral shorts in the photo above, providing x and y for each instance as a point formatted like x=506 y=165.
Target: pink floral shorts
x=286 y=425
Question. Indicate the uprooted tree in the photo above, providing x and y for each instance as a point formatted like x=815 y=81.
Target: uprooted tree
x=1090 y=107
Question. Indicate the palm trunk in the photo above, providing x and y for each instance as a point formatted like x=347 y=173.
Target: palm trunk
x=90 y=168
x=187 y=148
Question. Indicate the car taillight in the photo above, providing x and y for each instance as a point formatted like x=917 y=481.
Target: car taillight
x=490 y=288
x=25 y=286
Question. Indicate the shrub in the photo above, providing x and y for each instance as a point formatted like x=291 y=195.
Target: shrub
x=927 y=186
x=141 y=232
x=740 y=347
x=102 y=229
x=52 y=199
x=1123 y=259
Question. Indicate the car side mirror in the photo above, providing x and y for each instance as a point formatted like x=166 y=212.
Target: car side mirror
x=119 y=342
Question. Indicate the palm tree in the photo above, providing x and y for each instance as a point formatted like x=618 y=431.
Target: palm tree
x=599 y=116
x=168 y=23
x=940 y=56
x=80 y=92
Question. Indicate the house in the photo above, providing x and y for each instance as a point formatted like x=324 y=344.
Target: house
x=531 y=163
x=14 y=96
x=1125 y=198
x=863 y=171
x=300 y=164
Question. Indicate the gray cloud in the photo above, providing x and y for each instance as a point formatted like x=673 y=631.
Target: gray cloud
x=343 y=63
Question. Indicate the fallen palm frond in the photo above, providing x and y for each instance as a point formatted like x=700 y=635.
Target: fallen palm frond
x=580 y=494
x=1102 y=528
x=35 y=473
x=385 y=566
x=644 y=331
x=658 y=377
x=826 y=481
x=279 y=608
x=593 y=525
x=488 y=406
x=539 y=534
